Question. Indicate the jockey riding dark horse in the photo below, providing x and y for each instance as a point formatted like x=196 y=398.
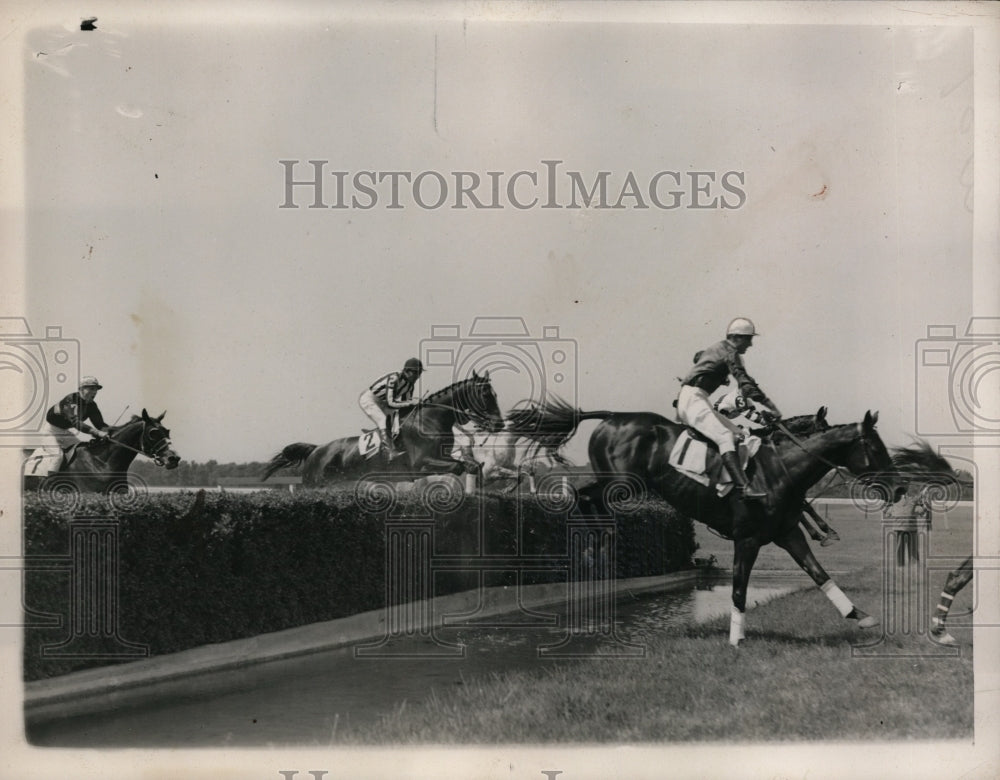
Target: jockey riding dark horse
x=712 y=369
x=387 y=396
x=76 y=413
x=426 y=433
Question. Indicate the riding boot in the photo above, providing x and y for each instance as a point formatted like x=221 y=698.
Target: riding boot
x=740 y=480
x=390 y=446
x=387 y=441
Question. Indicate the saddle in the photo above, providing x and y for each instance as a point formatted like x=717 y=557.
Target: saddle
x=370 y=442
x=43 y=461
x=697 y=457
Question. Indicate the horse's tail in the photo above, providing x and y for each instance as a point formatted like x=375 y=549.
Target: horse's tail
x=551 y=423
x=292 y=455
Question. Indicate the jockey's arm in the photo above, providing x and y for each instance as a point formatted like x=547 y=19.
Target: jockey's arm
x=749 y=388
x=397 y=403
x=99 y=427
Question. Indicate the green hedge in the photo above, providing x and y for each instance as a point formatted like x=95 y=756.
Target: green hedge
x=194 y=571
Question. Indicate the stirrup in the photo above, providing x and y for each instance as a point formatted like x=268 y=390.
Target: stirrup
x=748 y=493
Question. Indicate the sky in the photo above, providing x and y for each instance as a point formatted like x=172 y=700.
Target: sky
x=155 y=238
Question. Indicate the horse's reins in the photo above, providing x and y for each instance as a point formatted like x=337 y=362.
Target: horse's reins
x=798 y=443
x=155 y=454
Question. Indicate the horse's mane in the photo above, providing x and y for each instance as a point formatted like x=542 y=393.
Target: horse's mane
x=452 y=386
x=799 y=425
x=134 y=419
x=920 y=458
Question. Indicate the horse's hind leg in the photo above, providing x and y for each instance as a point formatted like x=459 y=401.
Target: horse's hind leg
x=822 y=525
x=794 y=542
x=590 y=499
x=814 y=533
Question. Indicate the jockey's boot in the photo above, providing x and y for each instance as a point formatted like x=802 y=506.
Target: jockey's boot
x=740 y=480
x=392 y=452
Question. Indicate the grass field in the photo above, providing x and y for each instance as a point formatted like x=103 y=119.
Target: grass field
x=794 y=679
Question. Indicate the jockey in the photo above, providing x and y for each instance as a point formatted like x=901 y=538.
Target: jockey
x=712 y=368
x=68 y=418
x=387 y=395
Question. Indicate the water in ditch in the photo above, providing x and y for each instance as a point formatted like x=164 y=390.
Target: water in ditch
x=306 y=699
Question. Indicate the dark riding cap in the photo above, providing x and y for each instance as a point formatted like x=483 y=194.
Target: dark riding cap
x=415 y=364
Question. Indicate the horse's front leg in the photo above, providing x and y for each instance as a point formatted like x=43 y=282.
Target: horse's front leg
x=794 y=542
x=745 y=550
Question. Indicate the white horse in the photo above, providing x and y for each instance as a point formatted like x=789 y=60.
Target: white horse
x=506 y=455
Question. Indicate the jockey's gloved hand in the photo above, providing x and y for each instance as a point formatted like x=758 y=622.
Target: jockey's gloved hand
x=98 y=434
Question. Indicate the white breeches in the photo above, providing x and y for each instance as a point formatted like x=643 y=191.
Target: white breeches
x=694 y=409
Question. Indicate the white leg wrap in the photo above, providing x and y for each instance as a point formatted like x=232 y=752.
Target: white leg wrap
x=836 y=595
x=735 y=627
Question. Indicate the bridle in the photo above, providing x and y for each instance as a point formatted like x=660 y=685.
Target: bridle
x=846 y=477
x=155 y=454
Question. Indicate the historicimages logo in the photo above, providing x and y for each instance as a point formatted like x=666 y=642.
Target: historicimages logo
x=524 y=366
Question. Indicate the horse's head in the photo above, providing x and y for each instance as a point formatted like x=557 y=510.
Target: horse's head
x=155 y=442
x=868 y=459
x=478 y=400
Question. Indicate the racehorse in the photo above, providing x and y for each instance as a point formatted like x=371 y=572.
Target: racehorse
x=638 y=446
x=101 y=464
x=425 y=432
x=512 y=453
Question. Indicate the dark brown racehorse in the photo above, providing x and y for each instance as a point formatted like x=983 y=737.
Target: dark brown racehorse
x=103 y=464
x=425 y=432
x=639 y=444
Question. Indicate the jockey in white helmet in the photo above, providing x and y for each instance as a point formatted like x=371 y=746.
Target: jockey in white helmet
x=713 y=367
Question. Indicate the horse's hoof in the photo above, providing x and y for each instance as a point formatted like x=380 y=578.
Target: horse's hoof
x=868 y=622
x=944 y=638
x=736 y=642
x=834 y=536
x=826 y=542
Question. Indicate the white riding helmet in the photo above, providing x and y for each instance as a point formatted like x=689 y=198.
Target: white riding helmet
x=741 y=326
